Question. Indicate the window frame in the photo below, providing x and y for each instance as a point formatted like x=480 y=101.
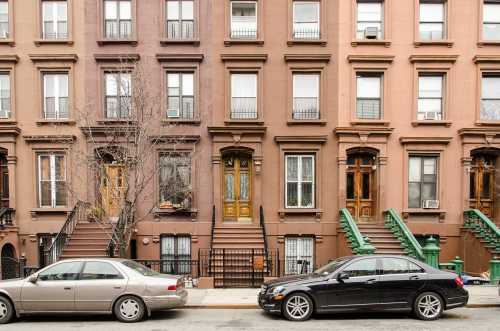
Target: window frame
x=483 y=22
x=368 y=74
x=318 y=23
x=186 y=155
x=177 y=258
x=255 y=3
x=300 y=181
x=132 y=39
x=57 y=117
x=164 y=32
x=180 y=95
x=483 y=75
x=52 y=180
x=418 y=21
x=8 y=73
x=382 y=21
x=54 y=22
x=299 y=239
x=422 y=157
x=120 y=274
x=231 y=97
x=10 y=26
x=118 y=96
x=39 y=275
x=358 y=261
x=296 y=73
x=443 y=97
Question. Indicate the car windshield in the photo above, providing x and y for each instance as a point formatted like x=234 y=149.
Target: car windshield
x=331 y=266
x=143 y=270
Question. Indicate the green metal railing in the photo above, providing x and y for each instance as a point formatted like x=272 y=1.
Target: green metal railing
x=360 y=245
x=483 y=228
x=410 y=245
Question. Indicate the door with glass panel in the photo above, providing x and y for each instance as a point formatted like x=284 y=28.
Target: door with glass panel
x=361 y=189
x=112 y=189
x=237 y=187
x=176 y=254
x=482 y=184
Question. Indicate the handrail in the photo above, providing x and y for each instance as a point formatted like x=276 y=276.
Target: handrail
x=121 y=229
x=360 y=244
x=213 y=227
x=403 y=233
x=263 y=227
x=483 y=226
x=5 y=217
x=469 y=214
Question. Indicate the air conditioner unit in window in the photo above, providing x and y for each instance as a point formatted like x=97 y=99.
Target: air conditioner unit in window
x=4 y=35
x=432 y=115
x=371 y=33
x=430 y=204
x=173 y=113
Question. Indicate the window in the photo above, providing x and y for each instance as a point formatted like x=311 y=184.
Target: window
x=306 y=96
x=490 y=97
x=118 y=94
x=299 y=181
x=243 y=19
x=4 y=20
x=365 y=267
x=99 y=270
x=61 y=271
x=432 y=20
x=370 y=20
x=55 y=96
x=299 y=255
x=243 y=96
x=55 y=20
x=176 y=254
x=180 y=99
x=491 y=20
x=422 y=180
x=175 y=180
x=368 y=98
x=430 y=97
x=118 y=19
x=180 y=19
x=393 y=266
x=52 y=180
x=5 y=104
x=306 y=20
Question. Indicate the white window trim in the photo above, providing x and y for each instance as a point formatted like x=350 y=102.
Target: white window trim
x=443 y=87
x=180 y=95
x=318 y=22
x=300 y=181
x=382 y=19
x=443 y=22
x=8 y=31
x=118 y=20
x=54 y=21
x=57 y=110
x=256 y=20
x=300 y=242
x=52 y=180
x=8 y=111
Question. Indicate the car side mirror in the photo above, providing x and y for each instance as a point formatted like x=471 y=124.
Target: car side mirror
x=342 y=276
x=33 y=279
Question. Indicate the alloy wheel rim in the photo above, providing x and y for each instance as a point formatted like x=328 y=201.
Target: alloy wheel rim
x=3 y=310
x=429 y=306
x=129 y=308
x=297 y=307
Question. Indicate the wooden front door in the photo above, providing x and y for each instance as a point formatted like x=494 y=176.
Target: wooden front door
x=482 y=184
x=112 y=189
x=237 y=187
x=360 y=187
x=4 y=182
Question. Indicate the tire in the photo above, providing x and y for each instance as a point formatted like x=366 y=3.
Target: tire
x=297 y=307
x=428 y=306
x=129 y=309
x=6 y=310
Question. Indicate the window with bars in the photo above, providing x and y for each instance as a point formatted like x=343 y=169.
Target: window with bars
x=306 y=20
x=4 y=19
x=180 y=95
x=55 y=96
x=55 y=19
x=5 y=95
x=432 y=20
x=243 y=96
x=180 y=19
x=175 y=254
x=118 y=94
x=118 y=19
x=430 y=96
x=52 y=190
x=491 y=20
x=306 y=96
x=300 y=181
x=243 y=19
x=175 y=180
x=490 y=97
x=299 y=255
x=369 y=96
x=422 y=179
x=370 y=19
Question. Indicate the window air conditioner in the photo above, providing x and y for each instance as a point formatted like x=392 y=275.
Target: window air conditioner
x=432 y=115
x=371 y=33
x=430 y=204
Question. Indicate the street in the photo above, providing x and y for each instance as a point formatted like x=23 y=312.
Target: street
x=480 y=319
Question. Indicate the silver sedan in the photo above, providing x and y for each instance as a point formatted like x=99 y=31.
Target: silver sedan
x=122 y=287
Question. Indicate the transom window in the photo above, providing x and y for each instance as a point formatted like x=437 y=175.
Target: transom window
x=5 y=103
x=180 y=100
x=175 y=254
x=306 y=24
x=243 y=96
x=370 y=19
x=118 y=88
x=52 y=191
x=299 y=188
x=369 y=95
x=175 y=180
x=4 y=19
x=422 y=180
x=55 y=19
x=299 y=255
x=490 y=97
x=306 y=96
x=55 y=96
x=365 y=267
x=432 y=20
x=243 y=19
x=180 y=19
x=491 y=20
x=430 y=96
x=117 y=19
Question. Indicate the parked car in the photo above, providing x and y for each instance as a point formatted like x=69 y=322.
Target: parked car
x=365 y=283
x=474 y=280
x=122 y=287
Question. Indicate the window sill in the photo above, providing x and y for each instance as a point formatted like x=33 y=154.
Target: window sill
x=371 y=42
x=316 y=212
x=306 y=122
x=319 y=42
x=370 y=122
x=482 y=43
x=168 y=122
x=192 y=212
x=431 y=123
x=55 y=122
x=116 y=121
x=443 y=42
x=132 y=42
x=48 y=210
x=8 y=121
x=487 y=123
x=231 y=42
x=194 y=42
x=39 y=42
x=244 y=122
x=9 y=42
x=430 y=212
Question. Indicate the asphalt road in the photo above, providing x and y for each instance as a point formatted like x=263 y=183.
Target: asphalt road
x=470 y=319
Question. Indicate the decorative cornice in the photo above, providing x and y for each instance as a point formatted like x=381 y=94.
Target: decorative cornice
x=169 y=139
x=486 y=59
x=10 y=129
x=105 y=130
x=308 y=57
x=433 y=58
x=53 y=57
x=301 y=139
x=244 y=57
x=161 y=57
x=477 y=132
x=61 y=139
x=425 y=140
x=383 y=131
x=132 y=57
x=371 y=58
x=238 y=130
x=9 y=58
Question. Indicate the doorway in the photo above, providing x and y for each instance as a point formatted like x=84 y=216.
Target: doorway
x=10 y=265
x=482 y=183
x=360 y=185
x=237 y=191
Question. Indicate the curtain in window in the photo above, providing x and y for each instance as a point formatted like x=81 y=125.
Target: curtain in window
x=175 y=181
x=176 y=254
x=56 y=96
x=430 y=96
x=306 y=96
x=490 y=103
x=243 y=96
x=299 y=255
x=422 y=180
x=4 y=20
x=491 y=21
x=4 y=95
x=52 y=180
x=55 y=19
x=299 y=181
x=431 y=21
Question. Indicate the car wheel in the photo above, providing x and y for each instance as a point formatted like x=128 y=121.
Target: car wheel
x=428 y=306
x=297 y=307
x=129 y=309
x=6 y=310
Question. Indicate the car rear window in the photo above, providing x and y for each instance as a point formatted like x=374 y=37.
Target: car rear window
x=137 y=267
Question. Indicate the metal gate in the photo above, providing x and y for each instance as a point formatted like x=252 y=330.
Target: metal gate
x=10 y=268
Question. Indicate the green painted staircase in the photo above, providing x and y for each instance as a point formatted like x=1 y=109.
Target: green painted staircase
x=483 y=229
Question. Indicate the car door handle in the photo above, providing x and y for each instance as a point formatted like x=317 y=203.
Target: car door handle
x=371 y=281
x=117 y=287
x=67 y=288
x=414 y=278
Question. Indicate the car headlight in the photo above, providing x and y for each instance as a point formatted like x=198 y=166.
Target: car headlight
x=278 y=289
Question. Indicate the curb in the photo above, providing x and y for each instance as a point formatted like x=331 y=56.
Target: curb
x=483 y=305
x=243 y=306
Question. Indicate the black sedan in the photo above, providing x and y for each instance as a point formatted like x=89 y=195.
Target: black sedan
x=365 y=283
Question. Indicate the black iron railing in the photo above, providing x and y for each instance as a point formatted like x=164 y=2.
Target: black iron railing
x=6 y=217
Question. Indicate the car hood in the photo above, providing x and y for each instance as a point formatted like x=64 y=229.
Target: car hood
x=298 y=279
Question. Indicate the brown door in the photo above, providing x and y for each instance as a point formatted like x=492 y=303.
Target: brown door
x=360 y=190
x=112 y=189
x=237 y=187
x=482 y=184
x=4 y=182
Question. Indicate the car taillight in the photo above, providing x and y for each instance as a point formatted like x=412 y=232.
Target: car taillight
x=172 y=287
x=459 y=281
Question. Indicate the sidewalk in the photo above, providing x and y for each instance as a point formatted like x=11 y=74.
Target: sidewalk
x=246 y=298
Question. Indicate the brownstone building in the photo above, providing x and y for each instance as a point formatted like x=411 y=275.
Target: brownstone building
x=275 y=115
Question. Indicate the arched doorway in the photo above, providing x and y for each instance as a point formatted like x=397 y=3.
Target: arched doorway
x=237 y=186
x=10 y=265
x=361 y=188
x=482 y=185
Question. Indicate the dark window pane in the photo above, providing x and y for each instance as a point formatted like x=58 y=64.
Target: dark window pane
x=362 y=268
x=485 y=193
x=350 y=186
x=394 y=266
x=414 y=195
x=366 y=186
x=472 y=185
x=62 y=271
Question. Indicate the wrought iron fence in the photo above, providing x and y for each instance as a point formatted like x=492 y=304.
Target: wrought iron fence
x=243 y=108
x=368 y=108
x=180 y=30
x=307 y=33
x=6 y=217
x=248 y=33
x=305 y=108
